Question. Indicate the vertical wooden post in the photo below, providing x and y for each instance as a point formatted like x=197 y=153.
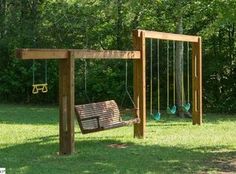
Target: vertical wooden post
x=140 y=84
x=197 y=82
x=66 y=105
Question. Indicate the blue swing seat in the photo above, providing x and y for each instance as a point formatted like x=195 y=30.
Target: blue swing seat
x=186 y=107
x=171 y=110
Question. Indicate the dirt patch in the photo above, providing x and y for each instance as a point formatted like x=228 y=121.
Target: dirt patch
x=221 y=165
x=118 y=146
x=225 y=166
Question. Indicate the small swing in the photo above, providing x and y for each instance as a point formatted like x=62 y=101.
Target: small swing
x=43 y=87
x=187 y=105
x=94 y=117
x=157 y=115
x=170 y=110
x=151 y=77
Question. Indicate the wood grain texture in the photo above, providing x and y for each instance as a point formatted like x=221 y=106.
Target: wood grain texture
x=107 y=113
x=100 y=116
x=197 y=82
x=66 y=105
x=106 y=54
x=168 y=36
x=140 y=84
x=76 y=53
x=29 y=53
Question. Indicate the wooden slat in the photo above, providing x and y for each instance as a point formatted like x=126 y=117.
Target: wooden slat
x=76 y=53
x=42 y=53
x=168 y=36
x=107 y=112
x=106 y=54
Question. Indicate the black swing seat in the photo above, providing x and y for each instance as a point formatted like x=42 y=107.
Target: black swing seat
x=94 y=117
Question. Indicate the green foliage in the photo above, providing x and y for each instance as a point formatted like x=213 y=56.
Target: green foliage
x=107 y=24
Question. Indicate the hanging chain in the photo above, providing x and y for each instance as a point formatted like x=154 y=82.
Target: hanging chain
x=182 y=79
x=174 y=57
x=158 y=75
x=46 y=71
x=168 y=78
x=151 y=59
x=126 y=87
x=85 y=80
x=126 y=83
x=33 y=69
x=188 y=71
x=85 y=76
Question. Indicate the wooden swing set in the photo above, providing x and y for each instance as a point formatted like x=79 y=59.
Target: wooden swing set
x=99 y=116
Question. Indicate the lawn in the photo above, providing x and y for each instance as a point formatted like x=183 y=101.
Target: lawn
x=29 y=144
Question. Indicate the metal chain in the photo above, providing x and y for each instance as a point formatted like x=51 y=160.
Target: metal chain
x=168 y=73
x=174 y=57
x=151 y=92
x=46 y=71
x=33 y=69
x=188 y=83
x=85 y=80
x=126 y=87
x=158 y=75
x=182 y=78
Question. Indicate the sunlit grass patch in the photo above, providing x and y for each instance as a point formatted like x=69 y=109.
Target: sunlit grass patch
x=29 y=144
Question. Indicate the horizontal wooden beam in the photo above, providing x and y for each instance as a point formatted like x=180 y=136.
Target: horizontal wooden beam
x=169 y=36
x=75 y=53
x=106 y=54
x=42 y=53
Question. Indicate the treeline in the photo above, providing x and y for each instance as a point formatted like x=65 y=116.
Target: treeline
x=107 y=24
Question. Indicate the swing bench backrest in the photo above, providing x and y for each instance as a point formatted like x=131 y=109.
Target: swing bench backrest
x=99 y=116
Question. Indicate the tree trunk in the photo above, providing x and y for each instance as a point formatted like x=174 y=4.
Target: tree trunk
x=119 y=25
x=2 y=17
x=34 y=13
x=180 y=94
x=180 y=99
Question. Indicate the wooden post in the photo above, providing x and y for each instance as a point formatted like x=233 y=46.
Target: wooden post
x=140 y=84
x=197 y=82
x=66 y=104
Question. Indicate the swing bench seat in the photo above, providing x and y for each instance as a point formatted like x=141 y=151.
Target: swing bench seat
x=94 y=117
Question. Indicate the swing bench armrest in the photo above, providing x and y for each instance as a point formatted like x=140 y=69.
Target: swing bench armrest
x=91 y=118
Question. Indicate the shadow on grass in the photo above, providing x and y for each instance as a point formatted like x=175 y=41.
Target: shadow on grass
x=95 y=156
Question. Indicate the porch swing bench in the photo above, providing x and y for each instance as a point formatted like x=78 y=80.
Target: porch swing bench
x=94 y=117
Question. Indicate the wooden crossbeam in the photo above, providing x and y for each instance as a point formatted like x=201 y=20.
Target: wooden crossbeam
x=75 y=53
x=42 y=53
x=169 y=36
x=106 y=54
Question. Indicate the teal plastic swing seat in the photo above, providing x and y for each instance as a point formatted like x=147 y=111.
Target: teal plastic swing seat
x=186 y=107
x=171 y=110
x=157 y=116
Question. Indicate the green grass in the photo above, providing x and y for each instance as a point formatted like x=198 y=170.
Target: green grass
x=29 y=144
